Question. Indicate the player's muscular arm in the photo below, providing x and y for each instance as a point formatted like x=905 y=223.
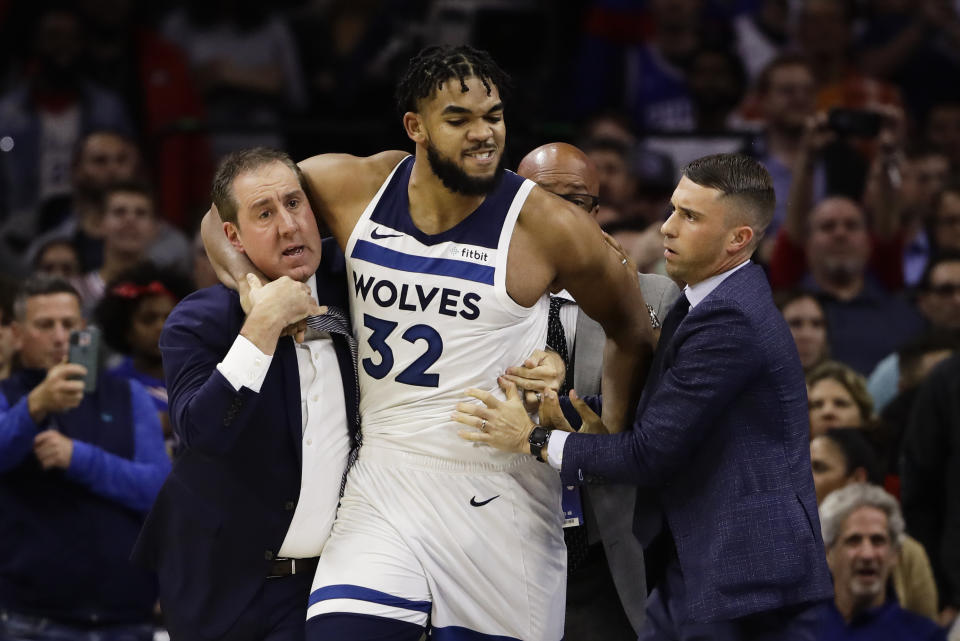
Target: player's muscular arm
x=572 y=255
x=340 y=186
x=231 y=265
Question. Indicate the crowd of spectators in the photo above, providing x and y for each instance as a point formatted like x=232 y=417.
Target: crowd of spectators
x=113 y=114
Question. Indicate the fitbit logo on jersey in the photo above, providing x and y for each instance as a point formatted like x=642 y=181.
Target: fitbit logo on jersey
x=469 y=253
x=416 y=298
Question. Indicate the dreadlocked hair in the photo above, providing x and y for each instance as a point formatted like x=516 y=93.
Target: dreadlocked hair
x=434 y=65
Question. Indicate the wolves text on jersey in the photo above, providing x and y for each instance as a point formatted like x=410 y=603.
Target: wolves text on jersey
x=414 y=297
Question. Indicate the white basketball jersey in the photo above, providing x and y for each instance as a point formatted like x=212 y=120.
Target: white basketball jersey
x=432 y=317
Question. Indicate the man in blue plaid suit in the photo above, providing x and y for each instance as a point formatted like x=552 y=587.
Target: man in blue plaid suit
x=720 y=438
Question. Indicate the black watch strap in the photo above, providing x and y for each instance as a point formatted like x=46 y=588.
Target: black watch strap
x=538 y=440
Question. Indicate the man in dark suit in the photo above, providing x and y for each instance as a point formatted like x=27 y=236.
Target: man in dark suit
x=233 y=538
x=720 y=435
x=606 y=587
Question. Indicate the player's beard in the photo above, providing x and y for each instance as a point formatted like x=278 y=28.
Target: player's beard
x=456 y=179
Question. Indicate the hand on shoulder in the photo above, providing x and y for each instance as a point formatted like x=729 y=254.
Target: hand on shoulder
x=340 y=186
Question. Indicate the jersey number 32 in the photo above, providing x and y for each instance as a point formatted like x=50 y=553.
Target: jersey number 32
x=416 y=372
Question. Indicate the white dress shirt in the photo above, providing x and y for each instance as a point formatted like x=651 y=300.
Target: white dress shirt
x=695 y=294
x=326 y=440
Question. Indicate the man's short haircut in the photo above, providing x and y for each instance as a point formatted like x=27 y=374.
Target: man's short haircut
x=840 y=504
x=58 y=241
x=605 y=143
x=240 y=162
x=851 y=381
x=779 y=62
x=40 y=285
x=857 y=452
x=130 y=186
x=81 y=143
x=937 y=259
x=433 y=66
x=740 y=177
x=618 y=117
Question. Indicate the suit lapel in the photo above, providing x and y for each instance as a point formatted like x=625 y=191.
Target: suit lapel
x=588 y=355
x=351 y=395
x=663 y=356
x=290 y=385
x=666 y=350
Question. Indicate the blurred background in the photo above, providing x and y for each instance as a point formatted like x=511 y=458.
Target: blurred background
x=113 y=114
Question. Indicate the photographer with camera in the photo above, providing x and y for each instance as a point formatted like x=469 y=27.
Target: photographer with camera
x=829 y=249
x=78 y=471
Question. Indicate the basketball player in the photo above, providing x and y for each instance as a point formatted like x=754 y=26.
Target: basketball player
x=449 y=260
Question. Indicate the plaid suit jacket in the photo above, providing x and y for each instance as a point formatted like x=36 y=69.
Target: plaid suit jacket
x=723 y=442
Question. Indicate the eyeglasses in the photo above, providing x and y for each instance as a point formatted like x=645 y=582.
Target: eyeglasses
x=586 y=202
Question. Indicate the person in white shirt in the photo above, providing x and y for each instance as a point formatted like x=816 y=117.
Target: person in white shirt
x=267 y=425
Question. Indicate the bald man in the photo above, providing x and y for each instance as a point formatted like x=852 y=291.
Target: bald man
x=606 y=586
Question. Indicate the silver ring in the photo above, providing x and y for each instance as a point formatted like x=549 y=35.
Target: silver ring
x=623 y=261
x=539 y=396
x=483 y=425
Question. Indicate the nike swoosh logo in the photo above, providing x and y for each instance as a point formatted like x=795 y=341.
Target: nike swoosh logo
x=377 y=236
x=476 y=503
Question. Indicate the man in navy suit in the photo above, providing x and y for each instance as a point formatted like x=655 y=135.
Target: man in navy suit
x=232 y=537
x=720 y=437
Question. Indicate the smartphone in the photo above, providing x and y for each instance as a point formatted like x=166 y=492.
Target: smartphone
x=85 y=350
x=859 y=123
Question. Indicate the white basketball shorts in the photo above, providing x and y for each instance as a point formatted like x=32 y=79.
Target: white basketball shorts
x=472 y=546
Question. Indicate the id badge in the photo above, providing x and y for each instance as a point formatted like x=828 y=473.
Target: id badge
x=572 y=507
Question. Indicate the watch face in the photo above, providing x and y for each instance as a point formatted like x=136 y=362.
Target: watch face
x=538 y=440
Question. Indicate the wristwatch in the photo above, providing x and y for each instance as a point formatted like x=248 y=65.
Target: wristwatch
x=538 y=440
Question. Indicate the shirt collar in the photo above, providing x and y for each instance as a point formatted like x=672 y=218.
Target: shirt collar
x=696 y=293
x=312 y=284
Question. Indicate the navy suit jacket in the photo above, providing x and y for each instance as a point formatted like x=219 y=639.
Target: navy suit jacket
x=225 y=509
x=722 y=443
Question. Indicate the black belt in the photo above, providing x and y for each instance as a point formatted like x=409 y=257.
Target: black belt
x=287 y=567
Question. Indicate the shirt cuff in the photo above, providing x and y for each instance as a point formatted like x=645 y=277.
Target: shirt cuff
x=555 y=448
x=245 y=365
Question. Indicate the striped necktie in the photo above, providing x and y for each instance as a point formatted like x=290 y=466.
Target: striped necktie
x=557 y=338
x=335 y=321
